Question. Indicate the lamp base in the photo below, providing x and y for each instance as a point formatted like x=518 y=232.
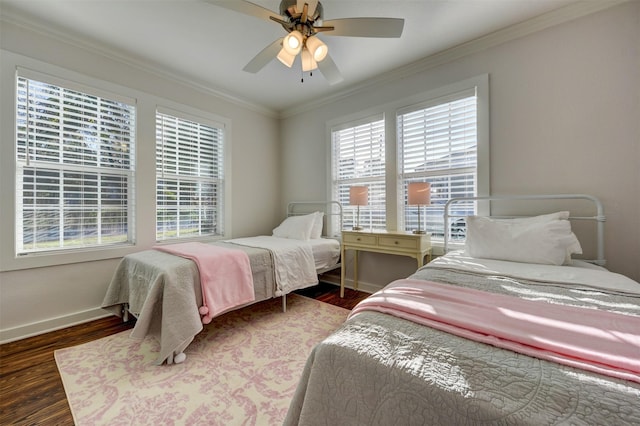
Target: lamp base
x=419 y=231
x=357 y=228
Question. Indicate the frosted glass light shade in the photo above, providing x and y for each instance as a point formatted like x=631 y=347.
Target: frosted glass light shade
x=308 y=64
x=317 y=48
x=286 y=58
x=292 y=43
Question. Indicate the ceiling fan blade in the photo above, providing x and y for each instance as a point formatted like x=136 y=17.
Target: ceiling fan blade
x=312 y=6
x=329 y=70
x=264 y=57
x=246 y=8
x=365 y=27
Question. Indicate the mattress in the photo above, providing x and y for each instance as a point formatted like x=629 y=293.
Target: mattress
x=326 y=252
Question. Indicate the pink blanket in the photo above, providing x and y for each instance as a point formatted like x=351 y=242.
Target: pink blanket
x=595 y=340
x=225 y=276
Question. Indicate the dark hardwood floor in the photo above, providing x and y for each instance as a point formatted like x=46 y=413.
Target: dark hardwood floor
x=31 y=391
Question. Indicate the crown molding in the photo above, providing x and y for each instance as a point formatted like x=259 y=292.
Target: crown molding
x=129 y=60
x=533 y=25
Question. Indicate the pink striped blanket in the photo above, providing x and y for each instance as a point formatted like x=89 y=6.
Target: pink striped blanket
x=591 y=339
x=225 y=276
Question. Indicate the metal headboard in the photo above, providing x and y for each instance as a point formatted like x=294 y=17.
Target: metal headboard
x=331 y=209
x=599 y=217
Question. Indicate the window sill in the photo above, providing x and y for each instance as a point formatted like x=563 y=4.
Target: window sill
x=44 y=259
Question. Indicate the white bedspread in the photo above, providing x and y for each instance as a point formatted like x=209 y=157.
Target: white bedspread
x=292 y=259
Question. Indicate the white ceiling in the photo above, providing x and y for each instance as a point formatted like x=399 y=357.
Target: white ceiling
x=209 y=45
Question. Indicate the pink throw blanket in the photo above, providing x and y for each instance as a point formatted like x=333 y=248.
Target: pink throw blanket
x=225 y=276
x=594 y=340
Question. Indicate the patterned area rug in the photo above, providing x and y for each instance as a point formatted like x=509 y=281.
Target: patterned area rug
x=241 y=370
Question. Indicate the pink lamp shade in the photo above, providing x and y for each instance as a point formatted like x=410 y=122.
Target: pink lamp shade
x=359 y=195
x=419 y=193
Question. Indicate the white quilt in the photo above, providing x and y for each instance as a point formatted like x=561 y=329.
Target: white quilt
x=292 y=259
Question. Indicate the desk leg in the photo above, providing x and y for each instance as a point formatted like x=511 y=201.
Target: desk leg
x=420 y=259
x=355 y=269
x=343 y=266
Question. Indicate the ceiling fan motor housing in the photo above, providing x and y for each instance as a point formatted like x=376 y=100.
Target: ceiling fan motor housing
x=296 y=19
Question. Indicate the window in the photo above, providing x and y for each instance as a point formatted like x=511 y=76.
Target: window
x=359 y=159
x=440 y=136
x=438 y=143
x=74 y=166
x=189 y=177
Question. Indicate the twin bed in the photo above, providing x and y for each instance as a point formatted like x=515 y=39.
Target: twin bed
x=518 y=333
x=164 y=290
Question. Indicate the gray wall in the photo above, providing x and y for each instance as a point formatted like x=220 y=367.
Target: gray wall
x=564 y=114
x=38 y=299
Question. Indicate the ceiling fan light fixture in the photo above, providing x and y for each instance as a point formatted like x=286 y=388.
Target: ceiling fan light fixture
x=308 y=64
x=302 y=20
x=317 y=48
x=286 y=58
x=292 y=42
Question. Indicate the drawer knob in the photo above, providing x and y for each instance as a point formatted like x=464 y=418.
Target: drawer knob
x=358 y=239
x=395 y=242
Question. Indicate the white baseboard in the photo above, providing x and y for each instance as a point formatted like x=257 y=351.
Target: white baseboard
x=53 y=324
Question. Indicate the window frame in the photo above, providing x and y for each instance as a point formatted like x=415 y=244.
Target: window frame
x=24 y=162
x=350 y=212
x=11 y=66
x=223 y=212
x=432 y=175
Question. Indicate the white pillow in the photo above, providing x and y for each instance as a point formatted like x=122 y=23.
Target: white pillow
x=563 y=215
x=316 y=230
x=529 y=240
x=296 y=227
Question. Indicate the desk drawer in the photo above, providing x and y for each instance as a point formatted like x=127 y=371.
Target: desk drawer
x=399 y=242
x=360 y=239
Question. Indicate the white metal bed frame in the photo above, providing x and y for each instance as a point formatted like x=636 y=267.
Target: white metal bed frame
x=599 y=217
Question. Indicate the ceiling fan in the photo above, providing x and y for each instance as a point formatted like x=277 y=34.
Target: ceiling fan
x=303 y=21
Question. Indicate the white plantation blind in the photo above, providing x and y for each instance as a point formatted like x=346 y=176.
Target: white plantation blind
x=189 y=177
x=438 y=143
x=75 y=167
x=359 y=159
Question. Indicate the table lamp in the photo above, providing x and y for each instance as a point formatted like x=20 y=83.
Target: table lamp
x=358 y=196
x=419 y=194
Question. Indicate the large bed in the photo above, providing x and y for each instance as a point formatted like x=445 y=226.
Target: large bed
x=163 y=289
x=418 y=352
